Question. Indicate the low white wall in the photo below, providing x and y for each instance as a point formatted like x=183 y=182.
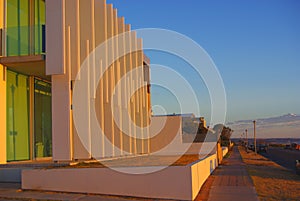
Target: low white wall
x=200 y=171
x=174 y=182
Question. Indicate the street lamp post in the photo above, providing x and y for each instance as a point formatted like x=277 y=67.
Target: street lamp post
x=243 y=139
x=254 y=124
x=246 y=131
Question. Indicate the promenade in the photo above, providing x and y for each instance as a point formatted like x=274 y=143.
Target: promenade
x=229 y=182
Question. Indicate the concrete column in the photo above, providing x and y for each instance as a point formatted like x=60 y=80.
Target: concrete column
x=61 y=87
x=73 y=55
x=137 y=103
x=84 y=24
x=117 y=94
x=73 y=27
x=109 y=126
x=133 y=93
x=128 y=70
x=55 y=31
x=61 y=112
x=100 y=38
x=2 y=114
x=147 y=103
x=125 y=138
x=140 y=94
x=2 y=26
x=2 y=98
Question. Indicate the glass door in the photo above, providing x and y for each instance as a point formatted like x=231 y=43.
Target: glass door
x=42 y=119
x=17 y=113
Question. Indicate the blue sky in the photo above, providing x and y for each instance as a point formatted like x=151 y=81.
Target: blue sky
x=254 y=44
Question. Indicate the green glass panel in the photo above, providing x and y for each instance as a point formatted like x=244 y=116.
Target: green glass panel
x=39 y=27
x=42 y=119
x=17 y=117
x=17 y=27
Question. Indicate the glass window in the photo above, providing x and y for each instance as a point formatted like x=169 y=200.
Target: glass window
x=25 y=27
x=17 y=117
x=17 y=27
x=42 y=119
x=39 y=27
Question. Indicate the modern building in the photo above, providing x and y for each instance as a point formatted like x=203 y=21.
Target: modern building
x=48 y=48
x=43 y=44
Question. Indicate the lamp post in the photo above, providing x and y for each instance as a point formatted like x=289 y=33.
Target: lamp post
x=246 y=131
x=254 y=131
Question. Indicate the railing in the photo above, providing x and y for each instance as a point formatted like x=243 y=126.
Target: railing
x=23 y=40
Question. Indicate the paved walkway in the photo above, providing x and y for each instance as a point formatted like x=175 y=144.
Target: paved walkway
x=231 y=181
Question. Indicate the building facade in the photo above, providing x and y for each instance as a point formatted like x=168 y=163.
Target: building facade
x=43 y=45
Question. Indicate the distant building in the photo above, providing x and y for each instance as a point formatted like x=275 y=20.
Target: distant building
x=202 y=122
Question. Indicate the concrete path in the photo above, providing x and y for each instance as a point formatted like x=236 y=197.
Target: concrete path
x=231 y=181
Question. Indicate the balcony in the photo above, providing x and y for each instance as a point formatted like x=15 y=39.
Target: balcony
x=22 y=49
x=23 y=41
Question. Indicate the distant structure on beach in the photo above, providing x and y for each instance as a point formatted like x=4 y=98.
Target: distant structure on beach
x=202 y=122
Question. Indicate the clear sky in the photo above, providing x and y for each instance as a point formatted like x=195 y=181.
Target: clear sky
x=254 y=44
